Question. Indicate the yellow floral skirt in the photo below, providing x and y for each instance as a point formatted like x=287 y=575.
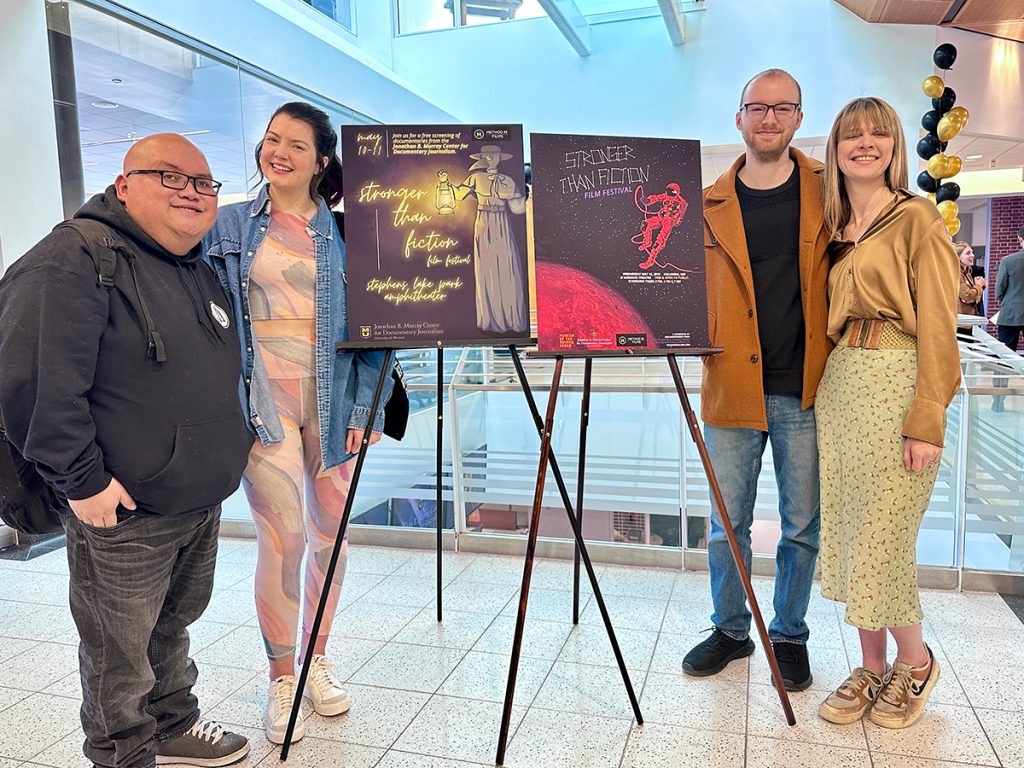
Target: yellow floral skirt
x=871 y=507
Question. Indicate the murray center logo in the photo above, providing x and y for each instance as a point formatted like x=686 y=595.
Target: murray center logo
x=219 y=315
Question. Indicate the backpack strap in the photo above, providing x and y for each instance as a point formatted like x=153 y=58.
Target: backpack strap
x=103 y=249
x=104 y=258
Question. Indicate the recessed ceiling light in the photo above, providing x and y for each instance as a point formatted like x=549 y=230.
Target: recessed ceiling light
x=973 y=157
x=105 y=105
x=116 y=80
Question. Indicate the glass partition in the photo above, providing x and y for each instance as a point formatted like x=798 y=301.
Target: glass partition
x=131 y=82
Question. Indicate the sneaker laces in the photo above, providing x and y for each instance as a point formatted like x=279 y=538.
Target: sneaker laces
x=896 y=691
x=321 y=670
x=785 y=653
x=856 y=681
x=282 y=693
x=206 y=730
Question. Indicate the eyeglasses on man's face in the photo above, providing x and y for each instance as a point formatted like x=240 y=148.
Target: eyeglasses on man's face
x=784 y=110
x=178 y=181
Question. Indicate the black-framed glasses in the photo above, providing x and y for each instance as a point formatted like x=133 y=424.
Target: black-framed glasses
x=784 y=110
x=175 y=180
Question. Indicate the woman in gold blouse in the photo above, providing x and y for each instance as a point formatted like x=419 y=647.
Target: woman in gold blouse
x=881 y=406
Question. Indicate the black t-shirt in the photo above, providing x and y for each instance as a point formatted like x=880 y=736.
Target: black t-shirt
x=771 y=221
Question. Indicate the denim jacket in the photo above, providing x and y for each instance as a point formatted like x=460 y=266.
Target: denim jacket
x=345 y=381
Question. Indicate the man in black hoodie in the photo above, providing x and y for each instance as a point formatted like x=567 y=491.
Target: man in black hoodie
x=124 y=393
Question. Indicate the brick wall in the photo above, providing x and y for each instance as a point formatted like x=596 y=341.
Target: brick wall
x=1007 y=217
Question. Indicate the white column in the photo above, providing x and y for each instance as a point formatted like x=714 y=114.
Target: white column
x=30 y=198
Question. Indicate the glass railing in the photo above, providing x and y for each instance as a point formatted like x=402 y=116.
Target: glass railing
x=645 y=485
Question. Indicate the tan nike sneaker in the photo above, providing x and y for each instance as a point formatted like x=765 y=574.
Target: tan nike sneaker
x=848 y=703
x=901 y=702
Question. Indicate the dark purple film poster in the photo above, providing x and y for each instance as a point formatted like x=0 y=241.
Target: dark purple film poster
x=435 y=233
x=619 y=245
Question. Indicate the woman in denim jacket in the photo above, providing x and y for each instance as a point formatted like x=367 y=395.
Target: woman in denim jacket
x=281 y=260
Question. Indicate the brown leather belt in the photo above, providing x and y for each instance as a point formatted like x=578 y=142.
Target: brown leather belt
x=868 y=333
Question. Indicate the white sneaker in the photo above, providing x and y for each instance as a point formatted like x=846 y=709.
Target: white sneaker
x=279 y=709
x=323 y=691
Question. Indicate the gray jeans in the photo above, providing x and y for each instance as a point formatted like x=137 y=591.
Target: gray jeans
x=135 y=587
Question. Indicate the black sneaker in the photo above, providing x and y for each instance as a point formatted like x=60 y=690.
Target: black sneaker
x=793 y=664
x=204 y=744
x=715 y=653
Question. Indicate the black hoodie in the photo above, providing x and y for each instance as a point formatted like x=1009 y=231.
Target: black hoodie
x=91 y=388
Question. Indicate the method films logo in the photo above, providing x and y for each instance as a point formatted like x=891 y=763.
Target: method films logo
x=492 y=133
x=631 y=339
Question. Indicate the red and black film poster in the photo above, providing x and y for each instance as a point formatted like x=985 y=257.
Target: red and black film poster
x=618 y=241
x=435 y=234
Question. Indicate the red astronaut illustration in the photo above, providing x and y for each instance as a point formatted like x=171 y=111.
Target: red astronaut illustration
x=662 y=212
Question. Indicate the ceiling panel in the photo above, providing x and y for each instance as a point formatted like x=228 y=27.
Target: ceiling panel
x=989 y=11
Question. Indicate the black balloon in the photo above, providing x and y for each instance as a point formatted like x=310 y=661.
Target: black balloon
x=930 y=121
x=926 y=182
x=948 y=191
x=944 y=56
x=945 y=102
x=928 y=146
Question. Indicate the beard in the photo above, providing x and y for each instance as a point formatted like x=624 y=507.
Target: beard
x=769 y=154
x=768 y=150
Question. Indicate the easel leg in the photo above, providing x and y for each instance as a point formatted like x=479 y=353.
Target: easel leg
x=438 y=504
x=691 y=421
x=531 y=546
x=385 y=371
x=581 y=547
x=580 y=477
x=535 y=412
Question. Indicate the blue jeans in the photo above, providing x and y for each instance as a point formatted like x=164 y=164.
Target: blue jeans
x=135 y=588
x=736 y=457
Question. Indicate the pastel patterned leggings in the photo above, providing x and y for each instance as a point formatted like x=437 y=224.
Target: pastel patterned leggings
x=297 y=507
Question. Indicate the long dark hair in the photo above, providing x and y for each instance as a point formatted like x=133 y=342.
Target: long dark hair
x=326 y=183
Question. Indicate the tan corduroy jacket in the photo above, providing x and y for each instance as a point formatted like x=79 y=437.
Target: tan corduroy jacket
x=732 y=392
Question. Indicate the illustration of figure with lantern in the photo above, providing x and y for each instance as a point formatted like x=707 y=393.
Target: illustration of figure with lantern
x=497 y=263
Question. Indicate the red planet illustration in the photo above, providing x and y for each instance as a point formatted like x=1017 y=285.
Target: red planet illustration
x=578 y=312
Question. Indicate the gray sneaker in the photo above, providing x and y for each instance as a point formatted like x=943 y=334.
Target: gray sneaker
x=205 y=744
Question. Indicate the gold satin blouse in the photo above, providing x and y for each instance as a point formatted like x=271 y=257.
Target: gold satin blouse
x=904 y=270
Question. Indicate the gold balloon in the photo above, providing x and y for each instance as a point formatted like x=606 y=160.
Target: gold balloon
x=948 y=128
x=938 y=166
x=955 y=164
x=931 y=196
x=959 y=114
x=933 y=86
x=949 y=210
x=953 y=227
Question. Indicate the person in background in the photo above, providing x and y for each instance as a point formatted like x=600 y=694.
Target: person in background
x=1010 y=294
x=971 y=288
x=282 y=260
x=882 y=406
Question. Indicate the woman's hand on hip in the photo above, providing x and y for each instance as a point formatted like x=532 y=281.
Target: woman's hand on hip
x=355 y=439
x=919 y=455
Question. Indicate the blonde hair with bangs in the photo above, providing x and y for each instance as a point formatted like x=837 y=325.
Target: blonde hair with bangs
x=882 y=117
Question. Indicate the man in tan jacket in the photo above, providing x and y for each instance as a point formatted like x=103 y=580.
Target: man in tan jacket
x=764 y=246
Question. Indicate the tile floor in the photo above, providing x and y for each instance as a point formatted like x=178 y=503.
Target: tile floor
x=429 y=696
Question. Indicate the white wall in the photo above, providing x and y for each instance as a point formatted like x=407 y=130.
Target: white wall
x=30 y=197
x=636 y=82
x=988 y=76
